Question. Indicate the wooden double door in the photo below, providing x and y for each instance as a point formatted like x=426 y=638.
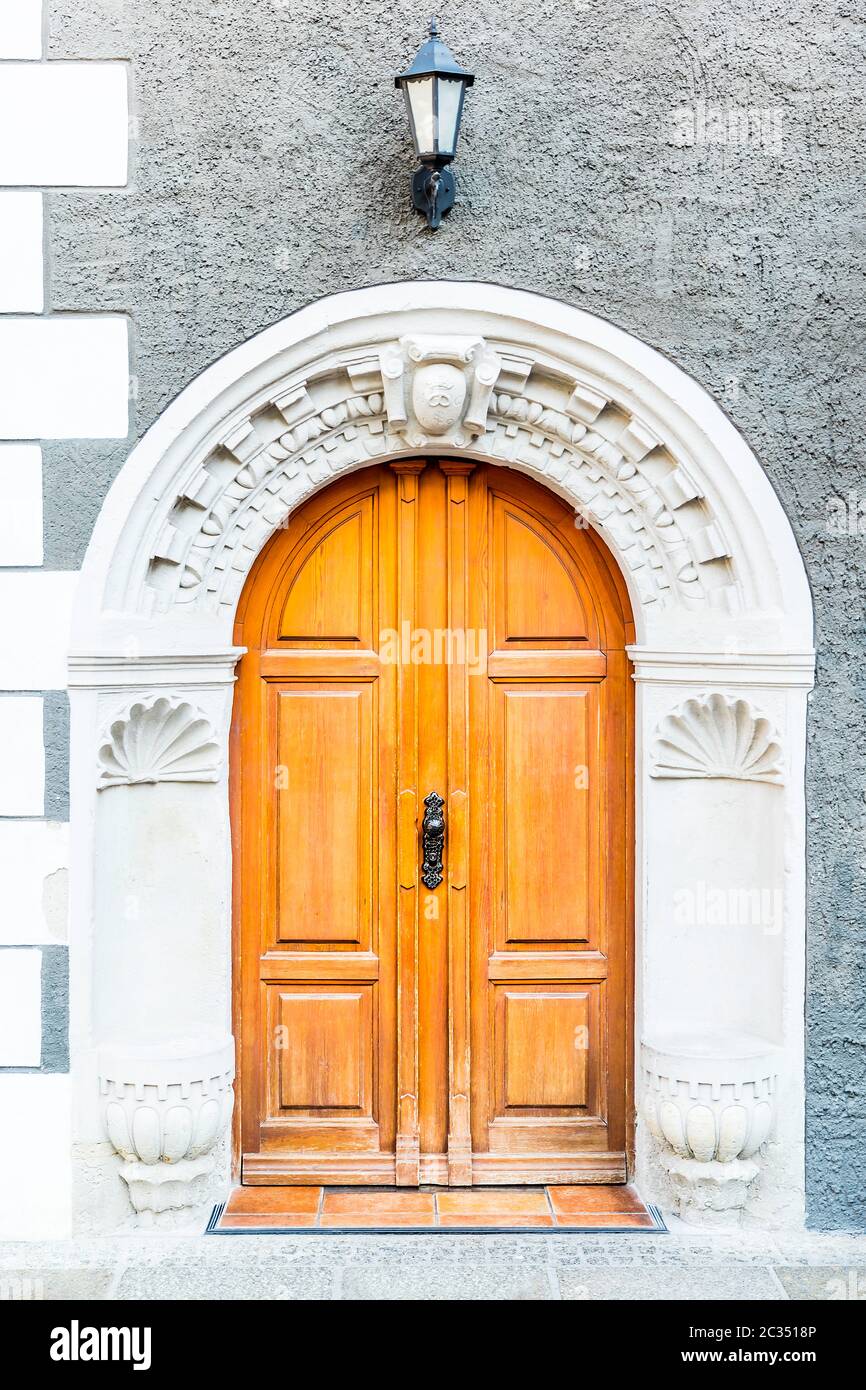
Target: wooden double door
x=432 y=831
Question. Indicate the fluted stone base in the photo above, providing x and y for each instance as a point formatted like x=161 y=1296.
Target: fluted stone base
x=710 y=1194
x=156 y=1189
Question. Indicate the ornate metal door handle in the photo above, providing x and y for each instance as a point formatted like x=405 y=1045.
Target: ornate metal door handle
x=432 y=840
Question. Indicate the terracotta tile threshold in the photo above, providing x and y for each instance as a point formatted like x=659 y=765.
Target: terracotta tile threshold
x=595 y=1209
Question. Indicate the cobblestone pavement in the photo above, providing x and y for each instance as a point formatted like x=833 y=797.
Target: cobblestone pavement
x=681 y=1265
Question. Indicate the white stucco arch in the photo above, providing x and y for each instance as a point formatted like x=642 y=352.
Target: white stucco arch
x=613 y=380
x=722 y=661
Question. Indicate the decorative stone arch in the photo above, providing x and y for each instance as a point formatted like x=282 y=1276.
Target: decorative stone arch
x=722 y=661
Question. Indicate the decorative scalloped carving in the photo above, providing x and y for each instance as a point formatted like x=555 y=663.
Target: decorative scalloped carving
x=159 y=739
x=717 y=736
x=348 y=413
x=164 y=1116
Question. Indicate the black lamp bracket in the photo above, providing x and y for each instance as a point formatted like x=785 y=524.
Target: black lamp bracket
x=433 y=193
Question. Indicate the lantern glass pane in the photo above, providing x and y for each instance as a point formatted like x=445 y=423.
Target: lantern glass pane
x=450 y=99
x=419 y=99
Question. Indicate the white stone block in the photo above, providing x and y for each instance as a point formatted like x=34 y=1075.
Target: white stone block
x=22 y=756
x=34 y=859
x=64 y=378
x=35 y=1171
x=20 y=504
x=37 y=609
x=21 y=29
x=21 y=288
x=70 y=124
x=21 y=1007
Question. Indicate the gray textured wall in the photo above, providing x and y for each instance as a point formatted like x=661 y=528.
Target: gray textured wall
x=270 y=162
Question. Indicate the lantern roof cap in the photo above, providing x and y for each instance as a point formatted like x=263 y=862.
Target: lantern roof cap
x=434 y=59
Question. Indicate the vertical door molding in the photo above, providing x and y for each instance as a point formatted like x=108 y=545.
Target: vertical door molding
x=459 y=674
x=407 y=1166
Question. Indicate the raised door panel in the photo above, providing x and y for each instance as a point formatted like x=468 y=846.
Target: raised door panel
x=545 y=1065
x=330 y=599
x=319 y=1109
x=322 y=1049
x=544 y=813
x=548 y=1049
x=325 y=812
x=549 y=1091
x=539 y=599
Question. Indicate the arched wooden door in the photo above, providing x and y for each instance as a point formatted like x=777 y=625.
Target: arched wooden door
x=420 y=631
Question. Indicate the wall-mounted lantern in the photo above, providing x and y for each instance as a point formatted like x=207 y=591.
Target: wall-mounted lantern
x=434 y=86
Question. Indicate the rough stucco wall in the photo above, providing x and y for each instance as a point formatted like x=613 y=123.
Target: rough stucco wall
x=270 y=166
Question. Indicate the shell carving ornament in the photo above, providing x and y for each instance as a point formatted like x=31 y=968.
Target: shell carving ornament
x=717 y=736
x=158 y=739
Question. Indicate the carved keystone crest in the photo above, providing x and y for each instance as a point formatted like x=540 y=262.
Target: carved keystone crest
x=438 y=388
x=438 y=397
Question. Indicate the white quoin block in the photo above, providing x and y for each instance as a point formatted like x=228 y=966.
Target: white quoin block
x=34 y=859
x=37 y=609
x=22 y=756
x=35 y=1172
x=20 y=504
x=70 y=124
x=21 y=1007
x=64 y=378
x=21 y=287
x=21 y=29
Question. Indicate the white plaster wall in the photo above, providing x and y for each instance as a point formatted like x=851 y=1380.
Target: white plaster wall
x=64 y=377
x=716 y=905
x=165 y=959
